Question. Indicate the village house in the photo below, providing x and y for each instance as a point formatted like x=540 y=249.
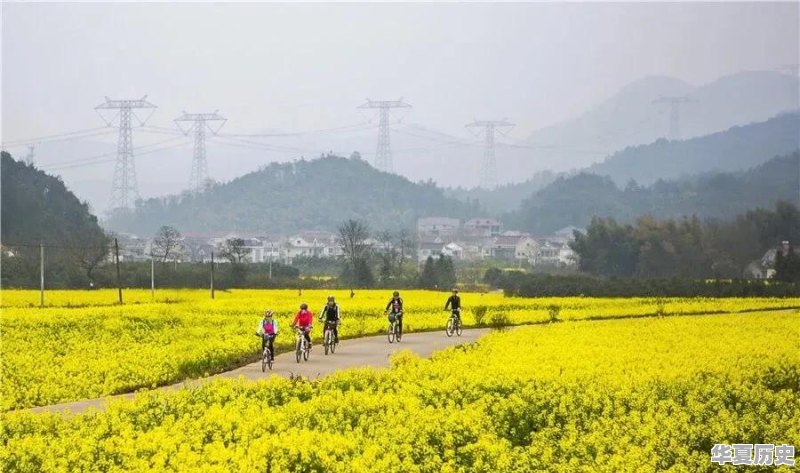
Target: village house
x=438 y=226
x=483 y=227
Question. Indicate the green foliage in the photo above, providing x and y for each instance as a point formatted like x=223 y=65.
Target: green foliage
x=737 y=148
x=438 y=274
x=499 y=320
x=302 y=195
x=479 y=312
x=38 y=208
x=787 y=267
x=553 y=310
x=576 y=200
x=687 y=248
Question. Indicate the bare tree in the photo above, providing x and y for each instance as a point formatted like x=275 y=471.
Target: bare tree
x=353 y=236
x=166 y=243
x=90 y=251
x=235 y=251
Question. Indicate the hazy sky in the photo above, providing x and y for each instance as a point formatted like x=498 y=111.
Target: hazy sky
x=307 y=66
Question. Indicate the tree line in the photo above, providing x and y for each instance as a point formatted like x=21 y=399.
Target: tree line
x=688 y=247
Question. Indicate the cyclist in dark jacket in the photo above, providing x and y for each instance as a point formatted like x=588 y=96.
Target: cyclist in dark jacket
x=396 y=306
x=330 y=314
x=454 y=302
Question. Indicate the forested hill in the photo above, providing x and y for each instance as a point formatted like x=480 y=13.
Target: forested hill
x=735 y=149
x=574 y=200
x=38 y=208
x=302 y=195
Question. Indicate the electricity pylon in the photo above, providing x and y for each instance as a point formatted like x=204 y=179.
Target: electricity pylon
x=124 y=190
x=674 y=113
x=200 y=124
x=488 y=169
x=383 y=155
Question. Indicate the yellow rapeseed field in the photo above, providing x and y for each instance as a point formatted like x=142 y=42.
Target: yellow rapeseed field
x=83 y=345
x=648 y=394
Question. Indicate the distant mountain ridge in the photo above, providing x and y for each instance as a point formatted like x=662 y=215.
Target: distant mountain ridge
x=630 y=117
x=303 y=195
x=735 y=149
x=576 y=199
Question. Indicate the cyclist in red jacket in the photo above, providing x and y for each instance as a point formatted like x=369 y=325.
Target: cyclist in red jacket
x=304 y=319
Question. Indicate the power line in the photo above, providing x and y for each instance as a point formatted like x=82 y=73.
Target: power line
x=57 y=136
x=354 y=127
x=98 y=159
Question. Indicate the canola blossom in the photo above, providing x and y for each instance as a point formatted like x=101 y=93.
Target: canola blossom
x=84 y=346
x=648 y=394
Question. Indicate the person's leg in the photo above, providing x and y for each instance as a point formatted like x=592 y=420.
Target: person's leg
x=400 y=322
x=307 y=334
x=272 y=347
x=336 y=332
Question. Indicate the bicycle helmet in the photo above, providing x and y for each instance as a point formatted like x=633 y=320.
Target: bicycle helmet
x=331 y=298
x=304 y=306
x=267 y=313
x=396 y=294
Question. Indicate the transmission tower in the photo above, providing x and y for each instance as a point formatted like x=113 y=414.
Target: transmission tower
x=674 y=113
x=383 y=155
x=124 y=190
x=200 y=124
x=29 y=156
x=488 y=169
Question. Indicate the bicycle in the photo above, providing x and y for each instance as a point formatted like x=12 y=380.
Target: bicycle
x=395 y=328
x=266 y=355
x=454 y=323
x=302 y=347
x=329 y=339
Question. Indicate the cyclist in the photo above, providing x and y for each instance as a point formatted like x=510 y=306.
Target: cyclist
x=396 y=306
x=303 y=319
x=268 y=330
x=330 y=315
x=454 y=302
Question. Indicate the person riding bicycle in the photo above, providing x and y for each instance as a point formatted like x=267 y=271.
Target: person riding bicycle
x=268 y=330
x=396 y=306
x=303 y=319
x=454 y=302
x=330 y=315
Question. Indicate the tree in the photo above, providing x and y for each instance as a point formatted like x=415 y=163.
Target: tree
x=166 y=243
x=353 y=235
x=235 y=251
x=445 y=272
x=90 y=252
x=427 y=279
x=787 y=264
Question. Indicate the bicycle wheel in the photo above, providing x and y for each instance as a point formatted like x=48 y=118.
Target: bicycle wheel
x=398 y=332
x=459 y=328
x=450 y=328
x=269 y=359
x=327 y=341
x=333 y=344
x=391 y=333
x=299 y=350
x=264 y=359
x=306 y=351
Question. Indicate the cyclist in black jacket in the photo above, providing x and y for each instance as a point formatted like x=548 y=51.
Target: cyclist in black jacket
x=454 y=302
x=396 y=306
x=330 y=314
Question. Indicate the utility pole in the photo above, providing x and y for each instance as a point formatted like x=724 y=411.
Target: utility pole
x=674 y=113
x=41 y=274
x=152 y=277
x=200 y=124
x=383 y=154
x=271 y=250
x=119 y=279
x=488 y=169
x=124 y=190
x=212 y=274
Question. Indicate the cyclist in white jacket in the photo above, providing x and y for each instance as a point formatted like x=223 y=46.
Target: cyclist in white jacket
x=268 y=330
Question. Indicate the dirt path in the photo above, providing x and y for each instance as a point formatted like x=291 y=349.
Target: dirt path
x=367 y=351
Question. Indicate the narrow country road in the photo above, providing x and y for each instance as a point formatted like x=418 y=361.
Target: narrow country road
x=367 y=351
